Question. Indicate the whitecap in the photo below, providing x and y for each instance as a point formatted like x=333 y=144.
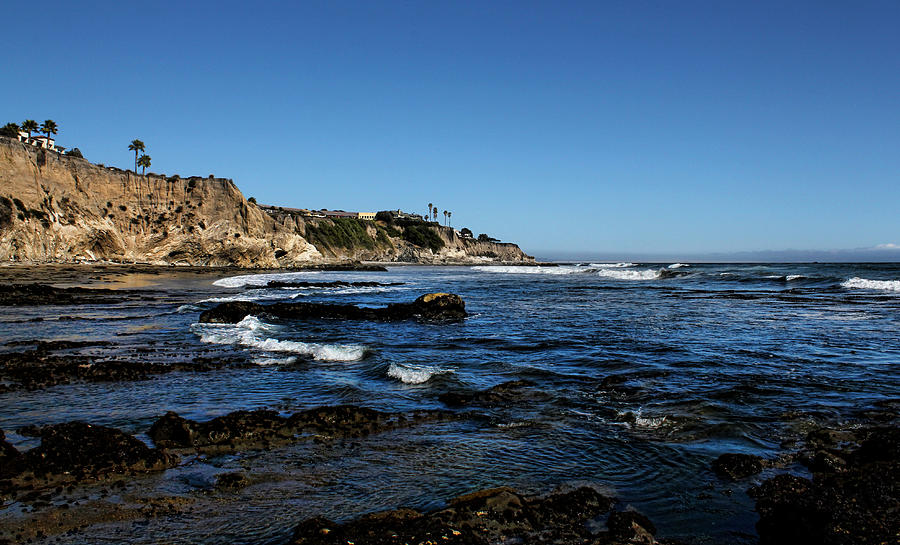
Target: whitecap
x=792 y=277
x=622 y=265
x=648 y=274
x=866 y=284
x=268 y=360
x=678 y=265
x=525 y=269
x=188 y=308
x=251 y=332
x=637 y=420
x=260 y=280
x=413 y=374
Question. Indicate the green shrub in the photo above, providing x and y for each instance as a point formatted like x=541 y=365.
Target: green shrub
x=75 y=152
x=339 y=233
x=424 y=236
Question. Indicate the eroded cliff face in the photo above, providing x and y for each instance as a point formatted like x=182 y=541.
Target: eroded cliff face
x=55 y=208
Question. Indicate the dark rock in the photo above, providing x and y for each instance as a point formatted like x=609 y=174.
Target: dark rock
x=350 y=266
x=630 y=527
x=737 y=466
x=262 y=428
x=75 y=450
x=854 y=502
x=41 y=368
x=499 y=515
x=433 y=307
x=502 y=394
x=8 y=453
x=232 y=481
x=43 y=294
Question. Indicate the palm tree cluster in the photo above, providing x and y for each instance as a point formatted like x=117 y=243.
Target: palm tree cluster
x=433 y=213
x=48 y=127
x=144 y=160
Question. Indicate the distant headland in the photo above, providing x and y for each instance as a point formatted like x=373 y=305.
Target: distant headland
x=57 y=207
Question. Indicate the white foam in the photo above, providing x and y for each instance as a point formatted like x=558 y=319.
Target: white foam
x=513 y=269
x=252 y=295
x=792 y=277
x=622 y=265
x=866 y=284
x=637 y=420
x=410 y=374
x=188 y=308
x=678 y=265
x=648 y=274
x=251 y=332
x=275 y=361
x=260 y=279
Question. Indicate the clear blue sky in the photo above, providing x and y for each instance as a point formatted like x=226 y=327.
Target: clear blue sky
x=576 y=126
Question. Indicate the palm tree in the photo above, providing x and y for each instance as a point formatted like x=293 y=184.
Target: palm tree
x=430 y=206
x=448 y=218
x=434 y=213
x=49 y=127
x=29 y=125
x=143 y=162
x=445 y=217
x=136 y=146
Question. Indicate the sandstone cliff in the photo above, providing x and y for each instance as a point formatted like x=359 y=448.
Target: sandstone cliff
x=55 y=208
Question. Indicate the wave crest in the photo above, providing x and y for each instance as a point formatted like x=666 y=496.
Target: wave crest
x=252 y=332
x=648 y=274
x=866 y=284
x=409 y=374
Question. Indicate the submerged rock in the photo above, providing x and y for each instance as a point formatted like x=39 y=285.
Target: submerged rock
x=76 y=451
x=499 y=395
x=498 y=515
x=737 y=466
x=433 y=307
x=262 y=428
x=853 y=502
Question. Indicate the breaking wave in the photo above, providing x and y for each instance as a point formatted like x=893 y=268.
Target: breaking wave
x=648 y=274
x=678 y=265
x=409 y=374
x=525 y=269
x=251 y=332
x=866 y=284
x=612 y=265
x=260 y=279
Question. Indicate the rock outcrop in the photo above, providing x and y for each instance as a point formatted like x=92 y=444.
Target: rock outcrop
x=55 y=208
x=432 y=307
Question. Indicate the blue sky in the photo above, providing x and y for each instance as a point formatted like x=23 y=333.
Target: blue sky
x=592 y=127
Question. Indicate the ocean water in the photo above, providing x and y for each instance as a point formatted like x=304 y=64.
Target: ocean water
x=709 y=358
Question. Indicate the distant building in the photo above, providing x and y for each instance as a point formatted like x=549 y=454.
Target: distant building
x=366 y=215
x=404 y=215
x=338 y=214
x=39 y=140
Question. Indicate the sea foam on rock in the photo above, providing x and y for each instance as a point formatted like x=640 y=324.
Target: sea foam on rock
x=432 y=307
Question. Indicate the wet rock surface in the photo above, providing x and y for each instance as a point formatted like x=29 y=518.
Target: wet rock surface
x=498 y=515
x=44 y=294
x=42 y=367
x=852 y=498
x=264 y=428
x=514 y=391
x=737 y=466
x=76 y=451
x=433 y=307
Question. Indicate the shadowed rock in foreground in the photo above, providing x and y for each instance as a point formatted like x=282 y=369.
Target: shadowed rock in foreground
x=263 y=428
x=43 y=294
x=853 y=497
x=499 y=515
x=76 y=451
x=433 y=307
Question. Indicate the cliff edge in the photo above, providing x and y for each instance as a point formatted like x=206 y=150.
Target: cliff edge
x=56 y=209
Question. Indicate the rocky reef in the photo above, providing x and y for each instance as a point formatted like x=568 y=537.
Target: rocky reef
x=433 y=307
x=56 y=209
x=498 y=515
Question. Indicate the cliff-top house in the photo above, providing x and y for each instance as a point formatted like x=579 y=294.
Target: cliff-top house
x=40 y=140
